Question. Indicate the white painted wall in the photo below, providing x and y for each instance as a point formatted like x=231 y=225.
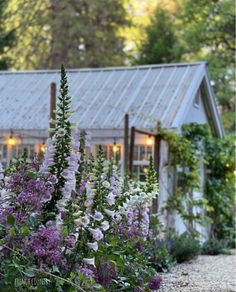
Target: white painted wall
x=196 y=114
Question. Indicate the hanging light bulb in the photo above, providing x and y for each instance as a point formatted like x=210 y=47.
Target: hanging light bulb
x=115 y=147
x=149 y=141
x=11 y=140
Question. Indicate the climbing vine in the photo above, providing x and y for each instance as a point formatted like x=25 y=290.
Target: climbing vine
x=195 y=147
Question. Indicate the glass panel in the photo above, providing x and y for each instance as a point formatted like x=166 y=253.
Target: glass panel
x=31 y=152
x=142 y=152
x=136 y=152
x=149 y=152
x=114 y=152
x=4 y=151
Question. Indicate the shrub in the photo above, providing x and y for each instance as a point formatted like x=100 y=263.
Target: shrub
x=159 y=256
x=214 y=247
x=183 y=247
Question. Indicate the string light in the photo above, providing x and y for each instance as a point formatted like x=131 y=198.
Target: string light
x=43 y=148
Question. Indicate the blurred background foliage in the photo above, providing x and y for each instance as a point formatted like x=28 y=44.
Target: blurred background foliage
x=98 y=33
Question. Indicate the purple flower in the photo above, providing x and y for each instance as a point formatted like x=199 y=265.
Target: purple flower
x=155 y=283
x=106 y=272
x=49 y=158
x=46 y=246
x=1 y=172
x=87 y=272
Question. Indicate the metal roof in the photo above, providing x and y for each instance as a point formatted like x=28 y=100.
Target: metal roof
x=101 y=97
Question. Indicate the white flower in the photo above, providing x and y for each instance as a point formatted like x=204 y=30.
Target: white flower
x=105 y=225
x=111 y=199
x=77 y=214
x=90 y=185
x=98 y=216
x=61 y=132
x=88 y=203
x=90 y=194
x=93 y=245
x=110 y=213
x=106 y=184
x=83 y=221
x=97 y=233
x=89 y=261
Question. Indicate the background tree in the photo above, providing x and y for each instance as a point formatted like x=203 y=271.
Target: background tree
x=161 y=44
x=77 y=33
x=199 y=30
x=6 y=37
x=208 y=33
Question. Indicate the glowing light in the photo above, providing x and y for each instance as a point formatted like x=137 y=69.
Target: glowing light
x=11 y=141
x=115 y=148
x=235 y=172
x=145 y=170
x=43 y=148
x=149 y=141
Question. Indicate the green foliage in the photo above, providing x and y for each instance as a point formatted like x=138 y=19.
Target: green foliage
x=6 y=37
x=135 y=269
x=90 y=28
x=159 y=256
x=214 y=247
x=151 y=178
x=183 y=247
x=161 y=44
x=220 y=186
x=186 y=155
x=199 y=30
x=197 y=145
x=209 y=34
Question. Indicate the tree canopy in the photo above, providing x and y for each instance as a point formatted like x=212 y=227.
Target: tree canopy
x=81 y=33
x=6 y=37
x=201 y=30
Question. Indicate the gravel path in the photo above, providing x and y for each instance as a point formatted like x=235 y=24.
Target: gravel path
x=205 y=274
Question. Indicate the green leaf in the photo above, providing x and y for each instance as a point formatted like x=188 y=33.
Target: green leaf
x=12 y=231
x=31 y=174
x=24 y=230
x=29 y=272
x=10 y=219
x=64 y=231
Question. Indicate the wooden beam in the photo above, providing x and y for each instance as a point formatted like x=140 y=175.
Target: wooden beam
x=131 y=153
x=52 y=106
x=145 y=133
x=126 y=144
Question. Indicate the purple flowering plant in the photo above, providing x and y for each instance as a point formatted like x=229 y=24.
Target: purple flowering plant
x=71 y=220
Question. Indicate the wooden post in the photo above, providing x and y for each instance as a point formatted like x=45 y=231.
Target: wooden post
x=131 y=153
x=52 y=105
x=126 y=144
x=157 y=146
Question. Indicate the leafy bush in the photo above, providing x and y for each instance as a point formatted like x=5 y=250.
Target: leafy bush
x=214 y=247
x=159 y=256
x=183 y=247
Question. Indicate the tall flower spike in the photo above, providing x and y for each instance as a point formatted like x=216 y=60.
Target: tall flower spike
x=61 y=140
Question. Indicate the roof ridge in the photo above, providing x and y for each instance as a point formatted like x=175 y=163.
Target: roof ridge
x=43 y=71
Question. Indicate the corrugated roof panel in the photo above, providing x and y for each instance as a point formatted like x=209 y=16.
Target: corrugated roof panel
x=101 y=97
x=183 y=87
x=119 y=93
